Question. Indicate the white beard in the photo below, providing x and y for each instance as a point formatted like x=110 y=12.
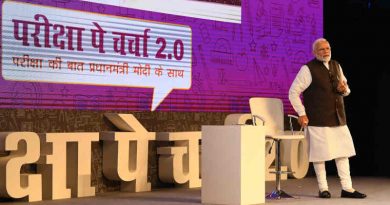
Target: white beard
x=324 y=59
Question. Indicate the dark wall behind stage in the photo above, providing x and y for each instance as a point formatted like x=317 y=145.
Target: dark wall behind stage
x=359 y=37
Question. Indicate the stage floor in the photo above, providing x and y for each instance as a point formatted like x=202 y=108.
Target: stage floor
x=305 y=191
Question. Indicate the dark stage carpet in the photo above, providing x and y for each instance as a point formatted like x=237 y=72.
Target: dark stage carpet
x=305 y=191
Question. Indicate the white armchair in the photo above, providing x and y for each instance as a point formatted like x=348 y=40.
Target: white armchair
x=269 y=111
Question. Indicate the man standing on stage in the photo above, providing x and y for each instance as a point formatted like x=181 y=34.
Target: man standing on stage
x=324 y=85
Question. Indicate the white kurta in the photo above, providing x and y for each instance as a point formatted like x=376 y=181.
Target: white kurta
x=325 y=143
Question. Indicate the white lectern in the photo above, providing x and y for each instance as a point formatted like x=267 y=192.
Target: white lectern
x=233 y=161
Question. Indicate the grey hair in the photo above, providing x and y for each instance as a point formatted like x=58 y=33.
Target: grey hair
x=318 y=41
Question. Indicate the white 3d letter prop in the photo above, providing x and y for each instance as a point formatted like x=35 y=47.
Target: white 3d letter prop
x=24 y=149
x=180 y=164
x=66 y=164
x=125 y=154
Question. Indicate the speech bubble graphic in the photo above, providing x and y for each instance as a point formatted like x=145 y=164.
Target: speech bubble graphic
x=54 y=45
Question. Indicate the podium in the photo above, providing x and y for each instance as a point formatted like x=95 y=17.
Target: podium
x=233 y=161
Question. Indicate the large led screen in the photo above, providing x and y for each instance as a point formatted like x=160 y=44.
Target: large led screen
x=168 y=55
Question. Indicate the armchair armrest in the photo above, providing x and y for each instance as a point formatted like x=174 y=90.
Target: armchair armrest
x=291 y=125
x=292 y=116
x=254 y=117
